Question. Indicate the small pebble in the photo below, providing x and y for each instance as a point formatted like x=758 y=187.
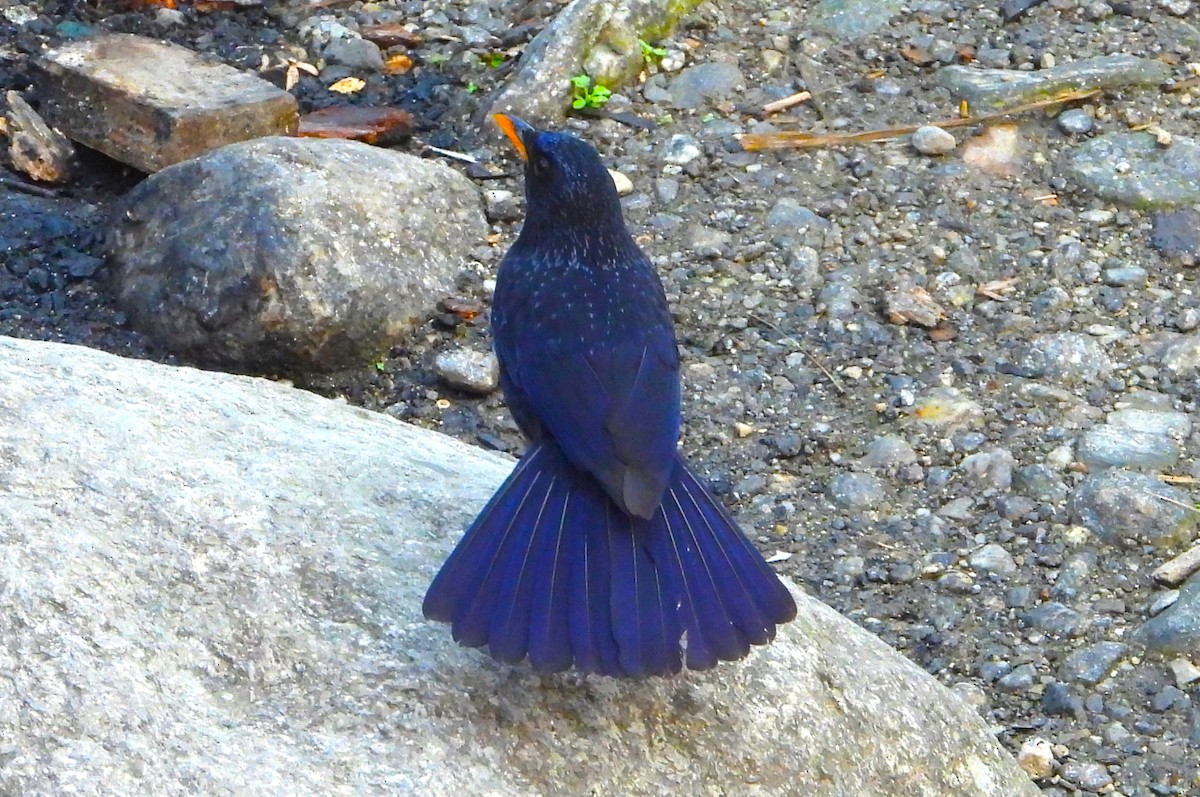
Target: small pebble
x=472 y=371
x=931 y=140
x=1036 y=758
x=1076 y=122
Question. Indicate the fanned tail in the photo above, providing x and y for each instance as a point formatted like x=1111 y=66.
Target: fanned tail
x=552 y=570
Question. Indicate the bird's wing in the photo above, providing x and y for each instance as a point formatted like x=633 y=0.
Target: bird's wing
x=613 y=410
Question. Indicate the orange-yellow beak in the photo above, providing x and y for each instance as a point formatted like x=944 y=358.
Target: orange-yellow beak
x=513 y=128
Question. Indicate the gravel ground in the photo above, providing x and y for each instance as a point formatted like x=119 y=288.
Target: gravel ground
x=931 y=484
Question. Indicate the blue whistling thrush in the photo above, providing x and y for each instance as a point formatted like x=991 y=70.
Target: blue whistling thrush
x=602 y=550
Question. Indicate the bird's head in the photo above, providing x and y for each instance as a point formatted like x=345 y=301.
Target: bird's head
x=566 y=183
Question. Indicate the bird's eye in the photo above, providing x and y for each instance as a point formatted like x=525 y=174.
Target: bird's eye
x=542 y=162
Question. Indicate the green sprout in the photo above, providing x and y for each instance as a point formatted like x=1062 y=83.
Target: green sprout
x=472 y=87
x=380 y=365
x=585 y=94
x=650 y=52
x=493 y=60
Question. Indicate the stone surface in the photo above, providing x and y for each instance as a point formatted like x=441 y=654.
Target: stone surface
x=1176 y=630
x=151 y=104
x=698 y=85
x=846 y=20
x=473 y=371
x=1176 y=234
x=1065 y=357
x=1121 y=506
x=1109 y=446
x=212 y=585
x=283 y=255
x=1091 y=664
x=1002 y=87
x=1135 y=169
x=931 y=140
x=596 y=37
x=34 y=148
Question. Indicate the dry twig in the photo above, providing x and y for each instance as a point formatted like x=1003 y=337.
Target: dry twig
x=801 y=140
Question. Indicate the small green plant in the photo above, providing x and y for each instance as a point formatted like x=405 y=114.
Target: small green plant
x=493 y=60
x=380 y=365
x=586 y=94
x=650 y=52
x=472 y=87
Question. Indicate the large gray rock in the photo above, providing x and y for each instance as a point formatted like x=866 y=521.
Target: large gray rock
x=285 y=255
x=212 y=585
x=1136 y=169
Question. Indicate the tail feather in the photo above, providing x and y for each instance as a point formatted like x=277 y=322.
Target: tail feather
x=645 y=619
x=552 y=569
x=549 y=627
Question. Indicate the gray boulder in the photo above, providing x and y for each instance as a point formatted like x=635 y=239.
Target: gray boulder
x=285 y=255
x=212 y=585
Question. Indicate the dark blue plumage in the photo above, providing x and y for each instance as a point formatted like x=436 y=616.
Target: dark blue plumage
x=602 y=550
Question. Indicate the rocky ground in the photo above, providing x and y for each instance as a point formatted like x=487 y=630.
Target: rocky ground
x=943 y=384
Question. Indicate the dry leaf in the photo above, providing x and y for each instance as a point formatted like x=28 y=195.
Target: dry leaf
x=348 y=85
x=398 y=64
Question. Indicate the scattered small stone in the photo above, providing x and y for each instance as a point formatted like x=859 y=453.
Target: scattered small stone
x=1064 y=357
x=354 y=52
x=1059 y=699
x=991 y=470
x=906 y=303
x=1089 y=775
x=1176 y=234
x=1076 y=122
x=34 y=148
x=1176 y=630
x=1176 y=571
x=889 y=452
x=622 y=182
x=1116 y=447
x=472 y=371
x=1163 y=422
x=993 y=558
x=1036 y=758
x=1164 y=600
x=996 y=150
x=1041 y=483
x=1002 y=87
x=947 y=408
x=1135 y=169
x=1182 y=356
x=697 y=85
x=857 y=490
x=1122 y=506
x=847 y=20
x=1091 y=664
x=681 y=149
x=100 y=90
x=1184 y=671
x=500 y=204
x=1125 y=276
x=932 y=140
x=1054 y=618
x=1019 y=680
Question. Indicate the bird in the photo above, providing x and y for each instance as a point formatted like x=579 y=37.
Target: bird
x=602 y=551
